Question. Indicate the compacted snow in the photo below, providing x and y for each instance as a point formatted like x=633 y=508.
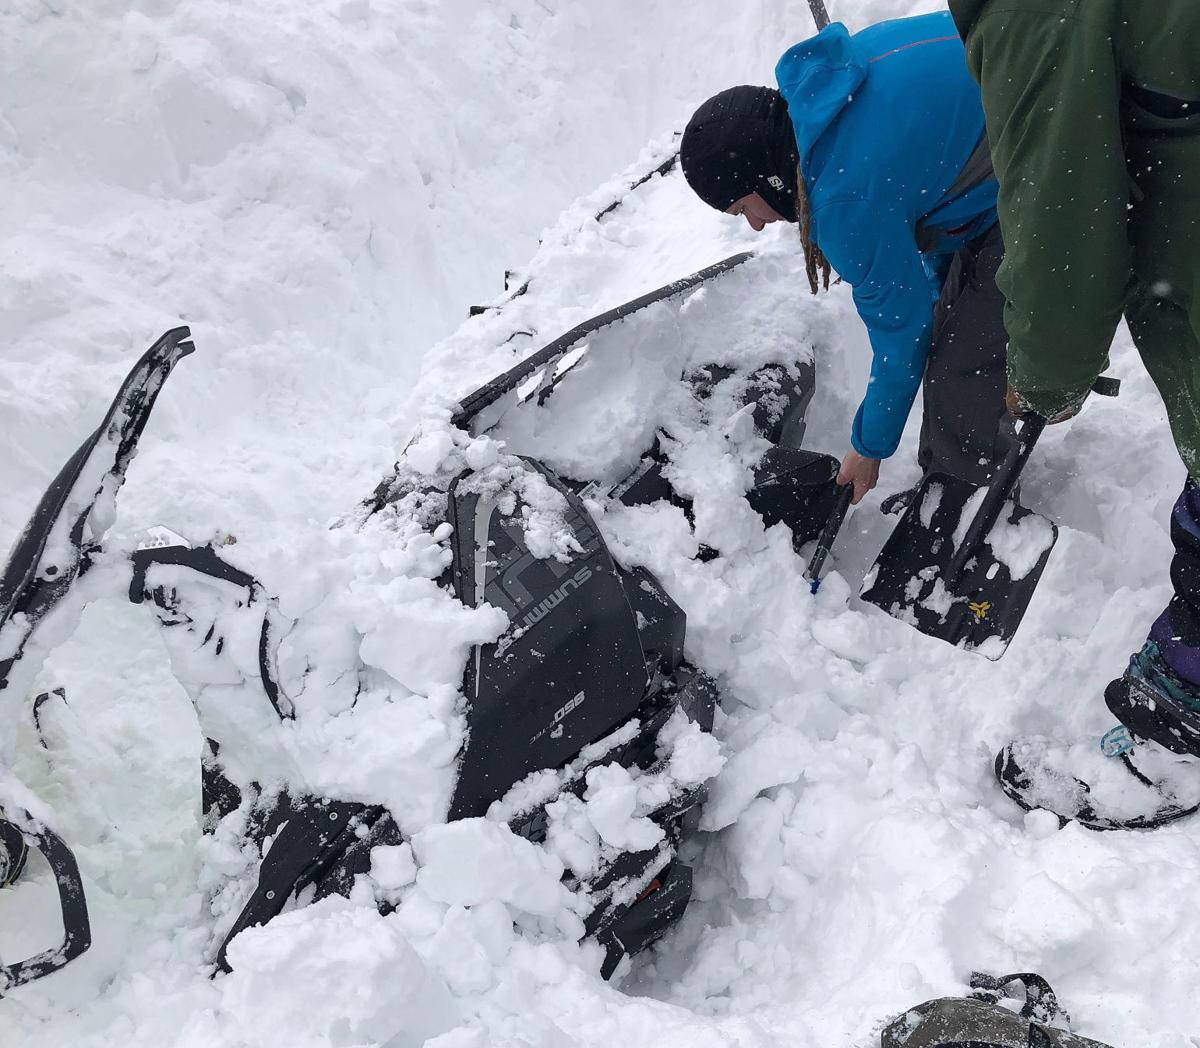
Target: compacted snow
x=321 y=191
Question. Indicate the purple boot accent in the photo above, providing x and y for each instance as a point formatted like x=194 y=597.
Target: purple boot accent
x=1183 y=659
x=1177 y=630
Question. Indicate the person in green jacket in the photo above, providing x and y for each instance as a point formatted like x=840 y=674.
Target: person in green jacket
x=1093 y=117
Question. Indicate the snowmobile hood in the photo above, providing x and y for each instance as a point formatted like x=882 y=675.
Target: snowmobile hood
x=817 y=77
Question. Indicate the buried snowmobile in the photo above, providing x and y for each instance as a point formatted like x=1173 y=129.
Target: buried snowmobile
x=588 y=673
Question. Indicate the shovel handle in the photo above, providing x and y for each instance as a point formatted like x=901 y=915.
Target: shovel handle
x=828 y=533
x=1003 y=481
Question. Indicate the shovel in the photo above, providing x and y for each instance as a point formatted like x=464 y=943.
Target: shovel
x=964 y=561
x=816 y=563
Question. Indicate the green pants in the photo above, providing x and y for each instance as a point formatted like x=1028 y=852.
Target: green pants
x=1093 y=119
x=1163 y=309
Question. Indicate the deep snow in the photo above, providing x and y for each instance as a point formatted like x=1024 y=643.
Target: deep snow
x=321 y=193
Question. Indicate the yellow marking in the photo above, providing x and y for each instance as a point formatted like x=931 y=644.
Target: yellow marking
x=979 y=610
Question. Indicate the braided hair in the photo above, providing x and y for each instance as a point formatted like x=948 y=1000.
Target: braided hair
x=815 y=262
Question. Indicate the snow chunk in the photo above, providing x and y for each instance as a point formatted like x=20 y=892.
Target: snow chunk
x=385 y=994
x=1020 y=546
x=695 y=754
x=393 y=866
x=930 y=503
x=427 y=453
x=772 y=759
x=417 y=633
x=613 y=797
x=475 y=861
x=967 y=516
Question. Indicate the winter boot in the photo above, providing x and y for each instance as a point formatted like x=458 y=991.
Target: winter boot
x=1144 y=774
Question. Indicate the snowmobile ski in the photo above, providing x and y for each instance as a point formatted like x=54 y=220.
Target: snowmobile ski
x=77 y=932
x=55 y=546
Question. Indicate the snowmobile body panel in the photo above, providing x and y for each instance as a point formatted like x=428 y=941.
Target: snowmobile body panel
x=570 y=665
x=780 y=395
x=661 y=623
x=659 y=906
x=314 y=842
x=957 y=1022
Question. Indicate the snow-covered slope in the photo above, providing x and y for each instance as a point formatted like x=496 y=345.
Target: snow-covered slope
x=321 y=194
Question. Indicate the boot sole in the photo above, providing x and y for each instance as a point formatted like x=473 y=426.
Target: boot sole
x=1007 y=772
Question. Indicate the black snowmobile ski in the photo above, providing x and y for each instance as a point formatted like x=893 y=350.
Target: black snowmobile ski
x=55 y=546
x=16 y=839
x=54 y=549
x=14 y=853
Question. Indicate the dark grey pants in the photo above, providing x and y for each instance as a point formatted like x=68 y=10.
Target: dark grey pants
x=965 y=430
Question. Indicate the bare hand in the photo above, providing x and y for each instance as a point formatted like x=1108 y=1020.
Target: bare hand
x=860 y=471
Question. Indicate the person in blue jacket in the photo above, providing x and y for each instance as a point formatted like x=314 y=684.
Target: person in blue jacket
x=874 y=144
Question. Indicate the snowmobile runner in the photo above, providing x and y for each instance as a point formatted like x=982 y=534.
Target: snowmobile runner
x=589 y=672
x=55 y=548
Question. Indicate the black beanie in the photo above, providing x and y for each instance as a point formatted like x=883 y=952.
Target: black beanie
x=740 y=142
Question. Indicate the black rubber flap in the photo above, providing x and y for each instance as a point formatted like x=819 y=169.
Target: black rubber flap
x=978 y=606
x=796 y=487
x=569 y=668
x=655 y=910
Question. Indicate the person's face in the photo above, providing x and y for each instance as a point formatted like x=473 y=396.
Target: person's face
x=755 y=210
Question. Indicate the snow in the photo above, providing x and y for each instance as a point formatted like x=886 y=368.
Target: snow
x=321 y=192
x=1020 y=546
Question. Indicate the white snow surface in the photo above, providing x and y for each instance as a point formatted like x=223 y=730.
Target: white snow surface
x=321 y=191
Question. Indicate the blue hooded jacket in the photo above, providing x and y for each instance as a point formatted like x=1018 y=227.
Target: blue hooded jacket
x=885 y=121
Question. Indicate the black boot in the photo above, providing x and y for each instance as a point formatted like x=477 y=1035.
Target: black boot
x=1144 y=773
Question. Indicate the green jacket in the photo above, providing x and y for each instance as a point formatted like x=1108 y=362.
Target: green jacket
x=1057 y=78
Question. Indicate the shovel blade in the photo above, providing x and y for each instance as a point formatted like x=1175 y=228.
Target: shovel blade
x=981 y=607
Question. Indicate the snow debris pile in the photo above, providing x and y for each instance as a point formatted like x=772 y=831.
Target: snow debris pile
x=321 y=194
